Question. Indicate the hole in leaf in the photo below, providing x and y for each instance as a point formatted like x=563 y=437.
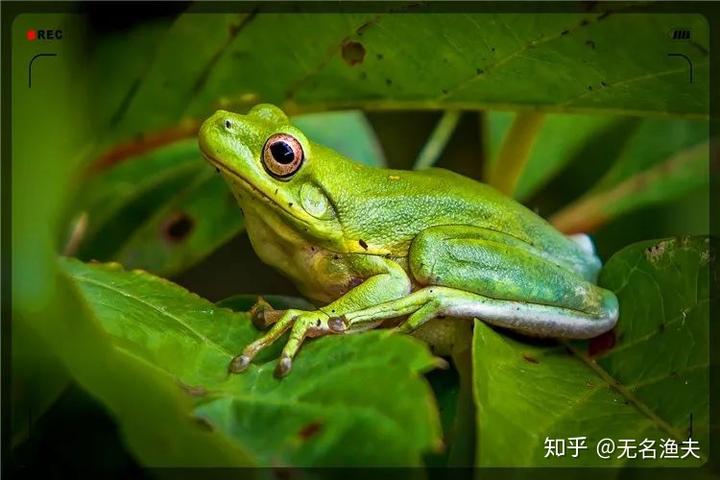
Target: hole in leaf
x=178 y=227
x=353 y=53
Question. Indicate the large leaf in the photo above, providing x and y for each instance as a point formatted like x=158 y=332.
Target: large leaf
x=388 y=60
x=118 y=200
x=191 y=224
x=659 y=161
x=347 y=132
x=307 y=418
x=648 y=378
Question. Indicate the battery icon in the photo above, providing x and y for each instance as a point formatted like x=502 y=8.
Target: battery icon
x=681 y=34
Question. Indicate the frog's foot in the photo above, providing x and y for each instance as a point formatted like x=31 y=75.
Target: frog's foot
x=241 y=362
x=310 y=325
x=304 y=324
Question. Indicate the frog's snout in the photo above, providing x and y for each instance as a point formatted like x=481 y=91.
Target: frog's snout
x=219 y=121
x=217 y=125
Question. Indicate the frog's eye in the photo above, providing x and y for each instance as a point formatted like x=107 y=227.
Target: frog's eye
x=282 y=155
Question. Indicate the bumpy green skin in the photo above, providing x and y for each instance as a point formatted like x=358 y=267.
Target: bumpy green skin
x=374 y=244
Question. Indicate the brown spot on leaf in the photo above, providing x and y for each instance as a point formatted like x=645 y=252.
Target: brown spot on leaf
x=529 y=358
x=178 y=227
x=601 y=343
x=353 y=52
x=310 y=430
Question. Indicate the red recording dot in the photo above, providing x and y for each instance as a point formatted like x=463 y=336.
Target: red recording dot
x=31 y=35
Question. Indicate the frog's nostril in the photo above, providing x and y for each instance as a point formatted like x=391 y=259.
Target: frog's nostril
x=228 y=124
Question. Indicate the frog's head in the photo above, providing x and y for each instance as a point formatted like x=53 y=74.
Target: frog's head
x=270 y=167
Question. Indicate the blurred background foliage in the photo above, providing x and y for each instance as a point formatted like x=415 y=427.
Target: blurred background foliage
x=545 y=107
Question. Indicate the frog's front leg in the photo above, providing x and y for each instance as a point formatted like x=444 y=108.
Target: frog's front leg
x=384 y=280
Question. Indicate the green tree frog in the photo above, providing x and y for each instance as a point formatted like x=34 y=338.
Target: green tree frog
x=373 y=244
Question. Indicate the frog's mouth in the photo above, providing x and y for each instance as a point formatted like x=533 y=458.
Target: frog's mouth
x=249 y=186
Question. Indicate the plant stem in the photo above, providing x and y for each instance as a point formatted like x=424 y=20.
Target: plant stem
x=588 y=213
x=438 y=139
x=507 y=169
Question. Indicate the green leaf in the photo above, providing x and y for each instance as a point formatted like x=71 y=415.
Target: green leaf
x=124 y=196
x=660 y=161
x=646 y=379
x=347 y=132
x=316 y=413
x=38 y=379
x=117 y=72
x=554 y=62
x=193 y=223
x=163 y=211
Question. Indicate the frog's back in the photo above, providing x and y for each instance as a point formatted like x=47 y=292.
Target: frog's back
x=398 y=204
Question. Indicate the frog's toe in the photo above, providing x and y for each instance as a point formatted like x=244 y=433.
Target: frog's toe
x=337 y=324
x=239 y=364
x=283 y=367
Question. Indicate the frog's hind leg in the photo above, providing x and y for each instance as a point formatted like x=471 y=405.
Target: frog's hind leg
x=536 y=320
x=473 y=272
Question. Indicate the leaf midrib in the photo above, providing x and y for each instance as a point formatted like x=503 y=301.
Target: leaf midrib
x=625 y=393
x=167 y=314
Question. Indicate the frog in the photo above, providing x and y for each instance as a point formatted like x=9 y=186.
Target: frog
x=378 y=247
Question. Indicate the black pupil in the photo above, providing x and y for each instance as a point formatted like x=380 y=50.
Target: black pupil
x=282 y=152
